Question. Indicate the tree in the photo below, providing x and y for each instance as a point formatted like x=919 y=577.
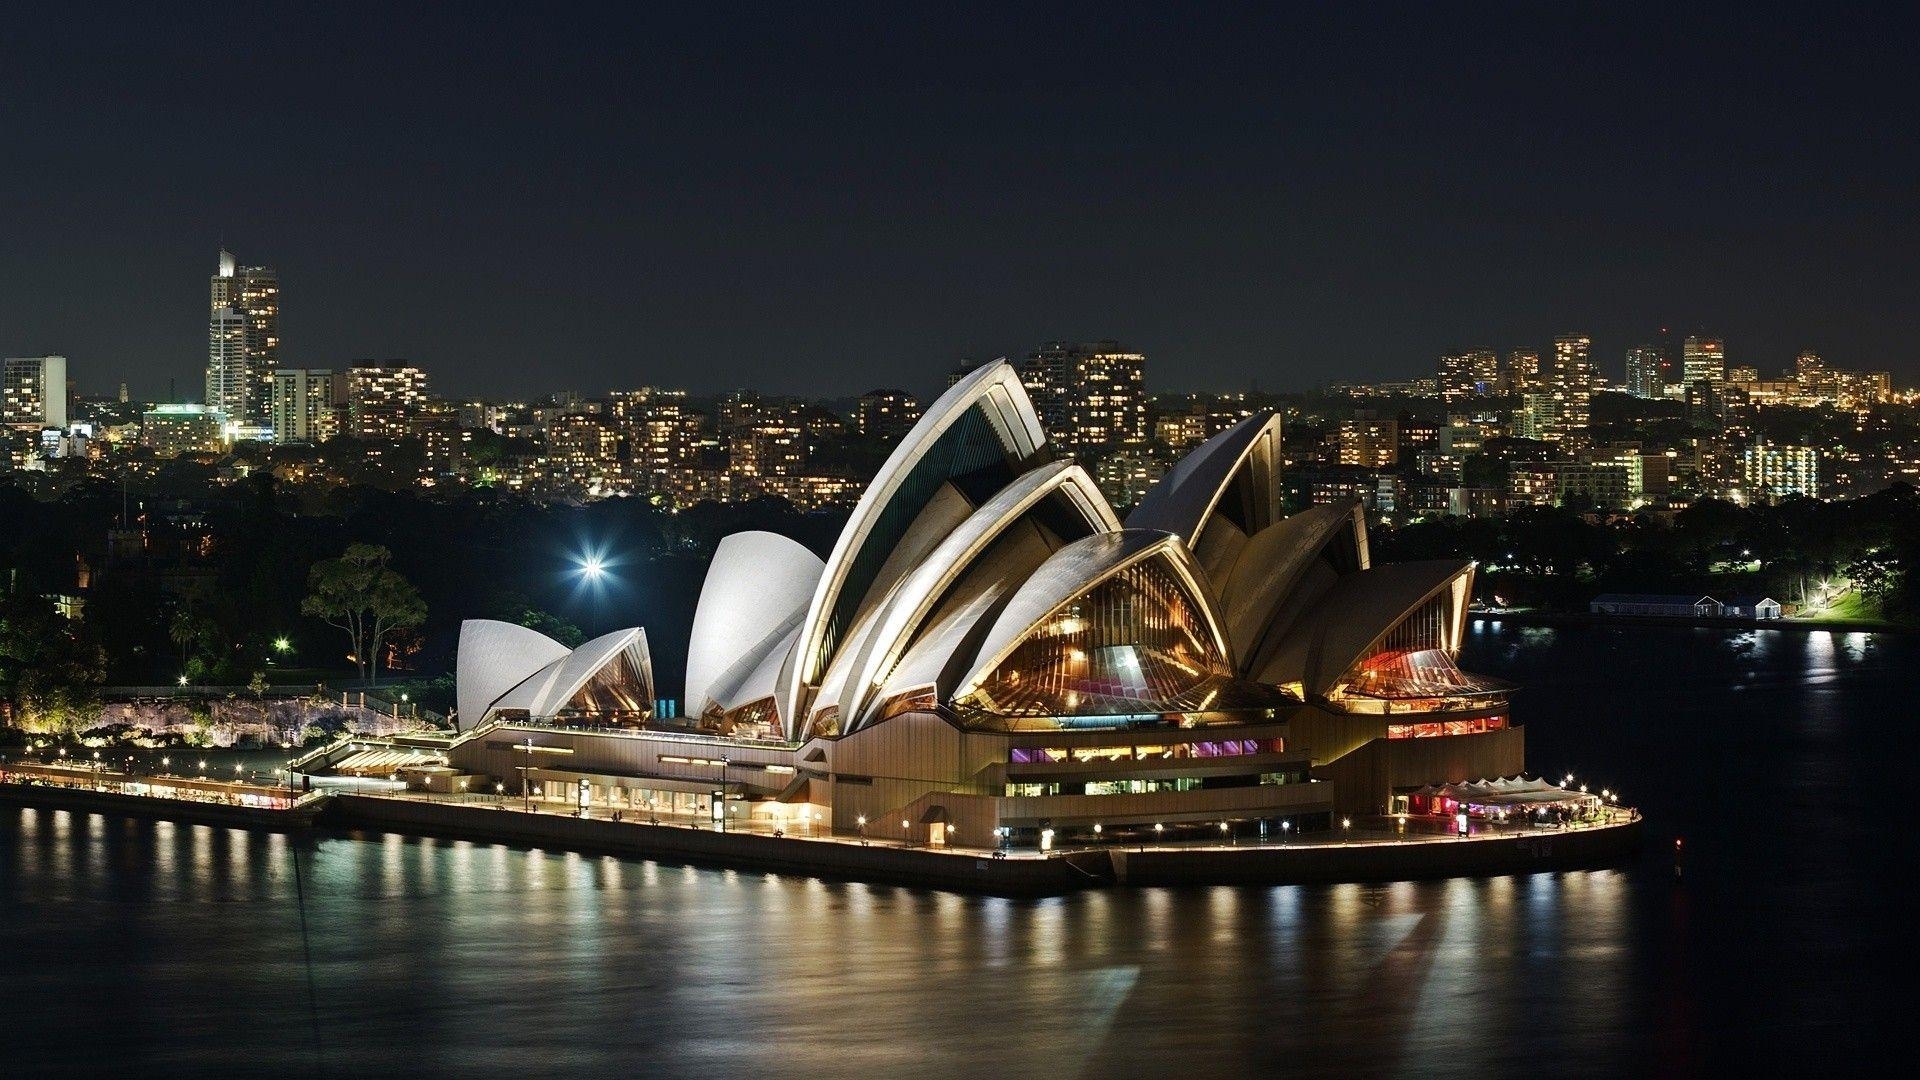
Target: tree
x=366 y=598
x=1877 y=576
x=48 y=673
x=188 y=630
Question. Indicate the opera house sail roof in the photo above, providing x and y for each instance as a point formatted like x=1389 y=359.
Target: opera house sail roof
x=981 y=579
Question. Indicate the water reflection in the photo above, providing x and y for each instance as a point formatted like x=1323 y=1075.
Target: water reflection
x=181 y=946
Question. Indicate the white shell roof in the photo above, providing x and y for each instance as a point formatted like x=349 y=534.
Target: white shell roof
x=1270 y=568
x=993 y=388
x=494 y=657
x=755 y=593
x=755 y=676
x=1074 y=570
x=1359 y=610
x=868 y=656
x=1184 y=498
x=548 y=690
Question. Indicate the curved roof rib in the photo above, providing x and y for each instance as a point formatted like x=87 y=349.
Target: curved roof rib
x=1359 y=612
x=1076 y=570
x=1058 y=499
x=492 y=658
x=550 y=690
x=756 y=591
x=982 y=423
x=1230 y=484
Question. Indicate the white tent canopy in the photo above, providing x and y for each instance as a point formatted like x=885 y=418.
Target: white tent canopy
x=1509 y=792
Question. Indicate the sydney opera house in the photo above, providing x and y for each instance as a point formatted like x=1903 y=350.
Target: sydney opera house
x=989 y=654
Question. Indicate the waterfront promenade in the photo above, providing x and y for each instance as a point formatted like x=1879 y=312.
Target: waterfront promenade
x=1355 y=849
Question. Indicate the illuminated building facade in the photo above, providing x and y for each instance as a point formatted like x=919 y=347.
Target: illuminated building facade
x=1649 y=370
x=1771 y=472
x=243 y=350
x=1571 y=384
x=1372 y=444
x=886 y=414
x=172 y=430
x=33 y=392
x=383 y=397
x=1703 y=360
x=305 y=405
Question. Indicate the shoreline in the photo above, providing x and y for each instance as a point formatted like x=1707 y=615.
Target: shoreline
x=841 y=858
x=1709 y=622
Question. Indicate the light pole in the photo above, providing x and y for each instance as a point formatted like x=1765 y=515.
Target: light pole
x=526 y=771
x=862 y=822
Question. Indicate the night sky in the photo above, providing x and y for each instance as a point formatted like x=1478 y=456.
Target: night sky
x=821 y=199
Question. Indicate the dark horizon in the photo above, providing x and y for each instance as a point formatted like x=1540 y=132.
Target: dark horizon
x=819 y=204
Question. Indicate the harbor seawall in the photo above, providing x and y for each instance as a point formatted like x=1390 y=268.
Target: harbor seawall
x=959 y=871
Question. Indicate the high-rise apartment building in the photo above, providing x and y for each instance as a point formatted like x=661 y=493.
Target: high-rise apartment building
x=1523 y=370
x=1649 y=370
x=1774 y=472
x=583 y=448
x=229 y=388
x=1374 y=444
x=383 y=397
x=1571 y=383
x=1469 y=374
x=1093 y=397
x=886 y=414
x=243 y=330
x=305 y=404
x=33 y=392
x=1704 y=360
x=1538 y=416
x=1810 y=371
x=768 y=448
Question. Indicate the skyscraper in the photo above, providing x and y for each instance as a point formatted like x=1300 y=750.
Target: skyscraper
x=1571 y=383
x=244 y=341
x=1704 y=359
x=1649 y=370
x=33 y=392
x=229 y=391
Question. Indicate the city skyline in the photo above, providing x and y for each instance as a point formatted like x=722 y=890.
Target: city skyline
x=244 y=350
x=798 y=199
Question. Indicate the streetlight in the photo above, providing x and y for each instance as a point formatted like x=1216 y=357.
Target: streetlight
x=183 y=680
x=526 y=771
x=861 y=821
x=282 y=646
